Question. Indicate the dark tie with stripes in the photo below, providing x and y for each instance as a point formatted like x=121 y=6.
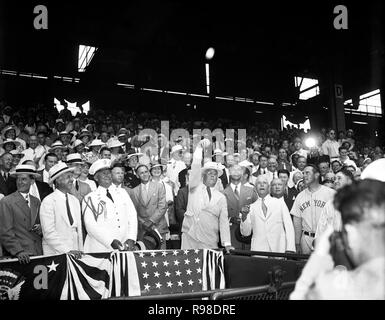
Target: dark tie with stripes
x=69 y=211
x=209 y=192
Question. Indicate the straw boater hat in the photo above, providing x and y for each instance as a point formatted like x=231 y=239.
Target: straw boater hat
x=132 y=153
x=74 y=158
x=100 y=165
x=96 y=143
x=16 y=143
x=84 y=133
x=16 y=153
x=156 y=165
x=25 y=169
x=212 y=166
x=77 y=143
x=56 y=145
x=11 y=127
x=176 y=148
x=57 y=170
x=115 y=144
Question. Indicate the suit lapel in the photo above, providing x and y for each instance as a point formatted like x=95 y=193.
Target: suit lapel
x=34 y=211
x=22 y=204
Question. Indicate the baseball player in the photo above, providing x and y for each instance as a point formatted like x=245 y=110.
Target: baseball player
x=307 y=209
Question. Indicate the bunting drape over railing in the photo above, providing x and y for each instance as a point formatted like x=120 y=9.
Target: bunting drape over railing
x=115 y=274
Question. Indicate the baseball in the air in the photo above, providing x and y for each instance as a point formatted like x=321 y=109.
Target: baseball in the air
x=210 y=53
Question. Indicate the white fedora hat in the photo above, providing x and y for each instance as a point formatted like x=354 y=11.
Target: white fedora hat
x=213 y=166
x=25 y=169
x=176 y=148
x=96 y=143
x=100 y=165
x=74 y=158
x=57 y=170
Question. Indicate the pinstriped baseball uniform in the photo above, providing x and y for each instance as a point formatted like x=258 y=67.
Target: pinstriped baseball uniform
x=308 y=206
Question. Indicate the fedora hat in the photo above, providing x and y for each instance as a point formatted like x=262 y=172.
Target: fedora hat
x=100 y=165
x=57 y=170
x=74 y=158
x=152 y=240
x=16 y=143
x=24 y=169
x=212 y=166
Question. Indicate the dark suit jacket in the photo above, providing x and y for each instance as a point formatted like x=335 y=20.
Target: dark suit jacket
x=181 y=205
x=290 y=197
x=6 y=188
x=182 y=177
x=153 y=210
x=288 y=165
x=16 y=221
x=225 y=179
x=247 y=196
x=44 y=189
x=130 y=179
x=258 y=172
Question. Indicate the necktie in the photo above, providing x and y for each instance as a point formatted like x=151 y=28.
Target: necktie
x=145 y=193
x=77 y=185
x=109 y=195
x=209 y=192
x=5 y=176
x=69 y=211
x=264 y=208
x=236 y=192
x=26 y=200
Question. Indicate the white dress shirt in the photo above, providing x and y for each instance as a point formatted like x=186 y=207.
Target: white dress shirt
x=34 y=191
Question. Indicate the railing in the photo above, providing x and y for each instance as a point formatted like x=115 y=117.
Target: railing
x=267 y=292
x=293 y=256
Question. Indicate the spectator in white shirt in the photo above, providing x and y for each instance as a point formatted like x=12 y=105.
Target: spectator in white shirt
x=330 y=146
x=35 y=151
x=344 y=158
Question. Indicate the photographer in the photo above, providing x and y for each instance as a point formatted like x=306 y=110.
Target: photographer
x=362 y=241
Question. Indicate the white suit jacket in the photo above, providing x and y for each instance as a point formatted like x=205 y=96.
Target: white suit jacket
x=58 y=235
x=273 y=233
x=205 y=220
x=106 y=221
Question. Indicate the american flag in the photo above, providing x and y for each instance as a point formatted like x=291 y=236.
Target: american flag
x=168 y=271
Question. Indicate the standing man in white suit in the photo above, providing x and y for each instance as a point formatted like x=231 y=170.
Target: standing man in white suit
x=60 y=215
x=109 y=217
x=269 y=221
